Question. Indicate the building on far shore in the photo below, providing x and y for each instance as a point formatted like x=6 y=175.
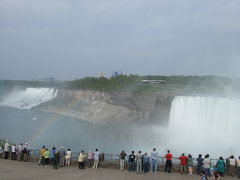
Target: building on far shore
x=116 y=73
x=47 y=80
x=149 y=81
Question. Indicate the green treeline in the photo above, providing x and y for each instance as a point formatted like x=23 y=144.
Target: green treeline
x=135 y=84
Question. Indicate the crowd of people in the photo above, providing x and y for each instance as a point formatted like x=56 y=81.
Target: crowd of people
x=20 y=152
x=204 y=167
x=63 y=158
x=139 y=162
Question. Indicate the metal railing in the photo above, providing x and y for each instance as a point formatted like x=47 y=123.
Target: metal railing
x=116 y=157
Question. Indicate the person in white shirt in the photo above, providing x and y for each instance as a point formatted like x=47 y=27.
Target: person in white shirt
x=154 y=155
x=68 y=157
x=206 y=165
x=96 y=159
x=238 y=166
x=139 y=158
x=232 y=166
x=13 y=157
x=6 y=150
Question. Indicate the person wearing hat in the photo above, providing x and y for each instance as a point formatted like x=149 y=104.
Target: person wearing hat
x=62 y=156
x=26 y=151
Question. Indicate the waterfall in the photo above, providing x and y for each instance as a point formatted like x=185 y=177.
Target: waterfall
x=28 y=98
x=205 y=125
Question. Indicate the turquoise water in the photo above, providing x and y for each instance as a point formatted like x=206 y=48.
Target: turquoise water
x=49 y=129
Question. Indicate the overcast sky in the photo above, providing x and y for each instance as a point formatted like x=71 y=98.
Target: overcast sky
x=69 y=39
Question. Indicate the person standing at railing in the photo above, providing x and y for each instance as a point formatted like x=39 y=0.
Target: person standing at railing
x=232 y=166
x=131 y=161
x=146 y=161
x=220 y=166
x=13 y=156
x=42 y=157
x=96 y=159
x=20 y=152
x=52 y=156
x=183 y=163
x=154 y=155
x=122 y=159
x=62 y=156
x=1 y=151
x=26 y=152
x=46 y=157
x=207 y=165
x=190 y=164
x=56 y=159
x=139 y=158
x=168 y=165
x=238 y=167
x=90 y=159
x=68 y=157
x=6 y=150
x=81 y=160
x=199 y=164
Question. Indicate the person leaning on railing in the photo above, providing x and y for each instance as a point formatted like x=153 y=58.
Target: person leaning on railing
x=168 y=164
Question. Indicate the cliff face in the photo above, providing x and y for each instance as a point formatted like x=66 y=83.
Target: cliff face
x=102 y=107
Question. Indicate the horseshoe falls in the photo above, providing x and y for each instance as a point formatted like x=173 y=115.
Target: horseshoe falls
x=28 y=98
x=204 y=125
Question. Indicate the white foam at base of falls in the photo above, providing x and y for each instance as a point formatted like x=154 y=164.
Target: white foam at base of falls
x=28 y=98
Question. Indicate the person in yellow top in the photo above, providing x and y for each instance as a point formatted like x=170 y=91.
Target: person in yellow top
x=238 y=166
x=42 y=158
x=81 y=160
x=46 y=156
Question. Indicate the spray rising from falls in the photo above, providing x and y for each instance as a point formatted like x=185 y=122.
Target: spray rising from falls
x=205 y=125
x=28 y=98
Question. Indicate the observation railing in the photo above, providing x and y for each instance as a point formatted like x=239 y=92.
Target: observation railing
x=116 y=157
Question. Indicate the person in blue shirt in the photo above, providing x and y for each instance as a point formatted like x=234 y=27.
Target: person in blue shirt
x=52 y=155
x=145 y=162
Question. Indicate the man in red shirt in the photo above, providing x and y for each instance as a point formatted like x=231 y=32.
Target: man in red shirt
x=168 y=165
x=183 y=163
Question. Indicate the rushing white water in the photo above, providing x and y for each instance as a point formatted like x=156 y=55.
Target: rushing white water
x=28 y=98
x=205 y=125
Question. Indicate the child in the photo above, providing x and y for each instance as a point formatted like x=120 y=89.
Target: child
x=211 y=171
x=216 y=176
x=203 y=176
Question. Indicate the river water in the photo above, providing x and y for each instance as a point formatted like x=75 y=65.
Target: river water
x=49 y=129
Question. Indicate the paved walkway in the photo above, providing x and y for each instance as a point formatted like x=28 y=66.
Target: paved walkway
x=14 y=170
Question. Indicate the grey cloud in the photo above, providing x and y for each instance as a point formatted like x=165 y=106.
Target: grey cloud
x=72 y=39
